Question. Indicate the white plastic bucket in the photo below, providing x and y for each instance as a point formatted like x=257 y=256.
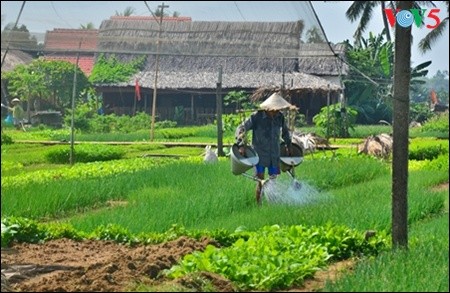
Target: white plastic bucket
x=239 y=163
x=288 y=162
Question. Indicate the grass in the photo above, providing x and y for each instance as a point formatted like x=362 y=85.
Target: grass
x=421 y=268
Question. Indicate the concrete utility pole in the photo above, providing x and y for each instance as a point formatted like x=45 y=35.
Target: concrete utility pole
x=152 y=135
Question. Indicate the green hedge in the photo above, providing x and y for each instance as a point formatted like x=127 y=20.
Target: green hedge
x=84 y=154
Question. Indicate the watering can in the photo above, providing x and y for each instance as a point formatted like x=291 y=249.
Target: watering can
x=241 y=163
x=289 y=162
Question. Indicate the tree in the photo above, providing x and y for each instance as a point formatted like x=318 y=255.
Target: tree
x=127 y=12
x=88 y=26
x=18 y=37
x=402 y=77
x=50 y=81
x=363 y=10
x=427 y=42
x=159 y=12
x=313 y=35
x=374 y=57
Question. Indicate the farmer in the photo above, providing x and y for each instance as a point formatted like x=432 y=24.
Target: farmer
x=18 y=113
x=269 y=126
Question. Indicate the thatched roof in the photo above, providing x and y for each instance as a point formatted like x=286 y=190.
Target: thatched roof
x=14 y=58
x=201 y=38
x=251 y=54
x=177 y=80
x=212 y=63
x=319 y=59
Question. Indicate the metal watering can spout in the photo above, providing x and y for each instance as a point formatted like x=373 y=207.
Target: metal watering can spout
x=262 y=181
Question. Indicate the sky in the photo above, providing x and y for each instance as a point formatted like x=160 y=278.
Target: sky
x=42 y=16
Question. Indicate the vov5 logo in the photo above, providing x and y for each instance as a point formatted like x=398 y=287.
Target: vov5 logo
x=405 y=18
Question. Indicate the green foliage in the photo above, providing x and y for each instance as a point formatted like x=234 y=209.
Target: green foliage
x=326 y=178
x=113 y=70
x=420 y=112
x=404 y=270
x=82 y=171
x=231 y=121
x=335 y=120
x=177 y=133
x=240 y=99
x=115 y=233
x=438 y=164
x=81 y=118
x=51 y=81
x=22 y=230
x=84 y=153
x=87 y=120
x=8 y=233
x=6 y=139
x=363 y=131
x=57 y=230
x=289 y=255
x=178 y=116
x=437 y=123
x=374 y=57
x=428 y=153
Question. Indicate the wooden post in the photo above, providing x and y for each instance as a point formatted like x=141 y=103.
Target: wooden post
x=220 y=152
x=152 y=133
x=74 y=92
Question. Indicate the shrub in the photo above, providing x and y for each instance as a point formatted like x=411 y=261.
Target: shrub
x=428 y=153
x=6 y=139
x=437 y=123
x=438 y=164
x=84 y=154
x=335 y=120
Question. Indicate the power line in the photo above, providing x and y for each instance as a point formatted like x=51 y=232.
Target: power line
x=239 y=10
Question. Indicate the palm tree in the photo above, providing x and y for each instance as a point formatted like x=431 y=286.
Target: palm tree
x=159 y=12
x=427 y=42
x=363 y=10
x=402 y=78
x=87 y=26
x=401 y=102
x=127 y=12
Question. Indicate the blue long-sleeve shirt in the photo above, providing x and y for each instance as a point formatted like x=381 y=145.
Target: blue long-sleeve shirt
x=266 y=137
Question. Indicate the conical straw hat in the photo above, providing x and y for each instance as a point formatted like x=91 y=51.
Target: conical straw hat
x=275 y=102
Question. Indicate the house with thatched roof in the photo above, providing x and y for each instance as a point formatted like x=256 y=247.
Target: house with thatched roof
x=14 y=58
x=187 y=60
